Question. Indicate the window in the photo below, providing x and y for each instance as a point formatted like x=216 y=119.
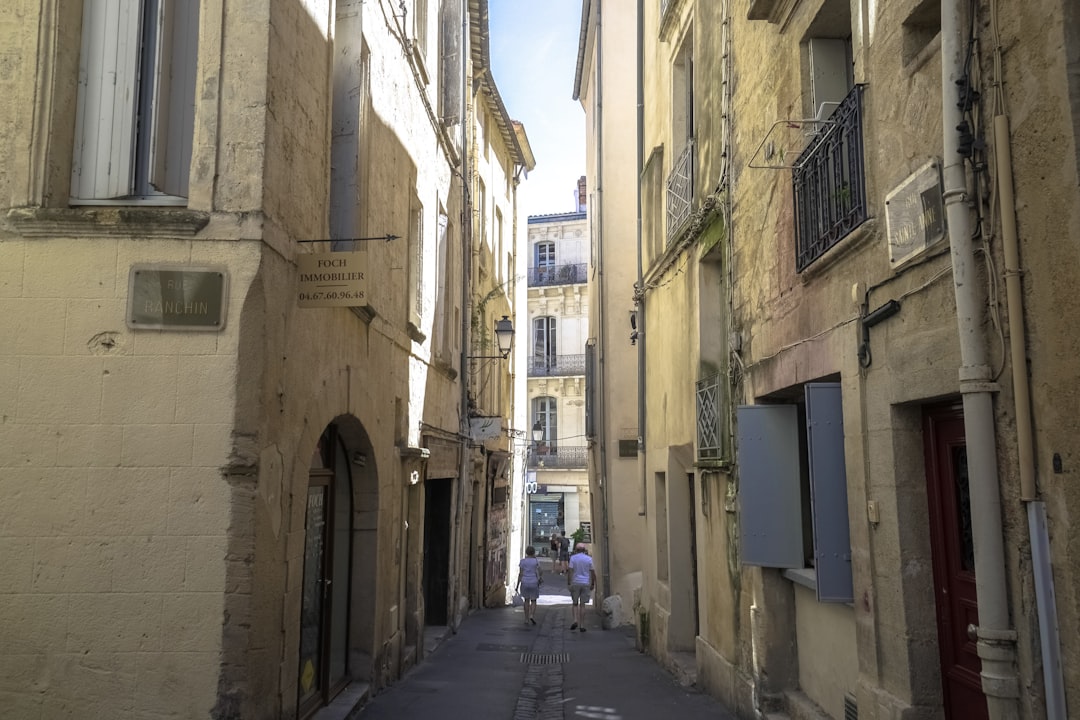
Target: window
x=829 y=73
x=420 y=27
x=416 y=263
x=544 y=345
x=711 y=433
x=591 y=391
x=501 y=271
x=443 y=288
x=652 y=203
x=544 y=261
x=481 y=214
x=661 y=516
x=450 y=68
x=793 y=488
x=135 y=114
x=545 y=412
x=680 y=183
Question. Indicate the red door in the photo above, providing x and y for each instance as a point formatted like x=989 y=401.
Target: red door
x=953 y=557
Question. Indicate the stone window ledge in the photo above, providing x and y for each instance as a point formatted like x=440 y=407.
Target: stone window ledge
x=107 y=222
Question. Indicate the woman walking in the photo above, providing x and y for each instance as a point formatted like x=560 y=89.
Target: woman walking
x=528 y=583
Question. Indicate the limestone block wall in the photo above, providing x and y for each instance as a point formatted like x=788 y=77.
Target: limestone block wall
x=115 y=514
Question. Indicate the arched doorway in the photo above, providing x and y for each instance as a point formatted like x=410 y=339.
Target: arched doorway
x=324 y=616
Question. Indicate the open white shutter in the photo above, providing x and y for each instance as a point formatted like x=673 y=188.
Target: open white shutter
x=103 y=164
x=172 y=129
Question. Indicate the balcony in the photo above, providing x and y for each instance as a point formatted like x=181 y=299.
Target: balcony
x=556 y=366
x=680 y=191
x=568 y=274
x=830 y=183
x=562 y=457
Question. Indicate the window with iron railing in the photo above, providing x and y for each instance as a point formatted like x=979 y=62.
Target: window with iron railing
x=680 y=190
x=829 y=181
x=565 y=274
x=556 y=365
x=562 y=457
x=710 y=418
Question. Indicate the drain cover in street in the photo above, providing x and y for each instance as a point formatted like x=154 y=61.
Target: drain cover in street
x=545 y=658
x=491 y=647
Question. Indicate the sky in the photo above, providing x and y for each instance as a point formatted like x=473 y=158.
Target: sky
x=534 y=48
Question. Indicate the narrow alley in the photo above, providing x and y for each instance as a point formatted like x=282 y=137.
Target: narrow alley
x=499 y=667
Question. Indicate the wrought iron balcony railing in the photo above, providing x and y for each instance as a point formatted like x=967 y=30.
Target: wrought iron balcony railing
x=556 y=365
x=829 y=180
x=680 y=191
x=568 y=274
x=562 y=457
x=710 y=424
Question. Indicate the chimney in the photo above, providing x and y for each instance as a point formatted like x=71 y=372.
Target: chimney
x=581 y=196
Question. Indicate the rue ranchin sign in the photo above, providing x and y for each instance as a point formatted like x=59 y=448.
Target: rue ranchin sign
x=333 y=279
x=177 y=297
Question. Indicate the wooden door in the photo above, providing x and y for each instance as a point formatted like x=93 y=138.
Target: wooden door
x=953 y=558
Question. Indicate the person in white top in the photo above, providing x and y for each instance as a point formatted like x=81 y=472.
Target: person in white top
x=582 y=580
x=529 y=580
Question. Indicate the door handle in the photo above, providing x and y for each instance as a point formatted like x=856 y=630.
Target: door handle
x=973 y=632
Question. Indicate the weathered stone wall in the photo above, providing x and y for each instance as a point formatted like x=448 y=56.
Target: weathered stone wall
x=154 y=482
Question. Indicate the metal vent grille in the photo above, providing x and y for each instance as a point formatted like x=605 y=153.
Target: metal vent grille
x=545 y=658
x=851 y=710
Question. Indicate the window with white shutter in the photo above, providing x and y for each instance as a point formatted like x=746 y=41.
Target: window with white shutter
x=135 y=114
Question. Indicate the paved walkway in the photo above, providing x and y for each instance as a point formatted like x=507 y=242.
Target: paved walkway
x=496 y=667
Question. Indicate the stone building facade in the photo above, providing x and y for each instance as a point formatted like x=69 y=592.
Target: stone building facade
x=854 y=445
x=226 y=491
x=607 y=94
x=558 y=497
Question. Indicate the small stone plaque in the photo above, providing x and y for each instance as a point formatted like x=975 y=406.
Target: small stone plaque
x=915 y=214
x=176 y=297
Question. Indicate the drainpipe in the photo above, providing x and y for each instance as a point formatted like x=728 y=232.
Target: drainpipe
x=1046 y=605
x=996 y=640
x=640 y=285
x=466 y=311
x=605 y=490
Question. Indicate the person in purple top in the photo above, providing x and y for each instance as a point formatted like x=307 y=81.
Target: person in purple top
x=528 y=583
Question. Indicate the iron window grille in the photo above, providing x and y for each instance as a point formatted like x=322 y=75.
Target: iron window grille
x=829 y=182
x=710 y=424
x=680 y=190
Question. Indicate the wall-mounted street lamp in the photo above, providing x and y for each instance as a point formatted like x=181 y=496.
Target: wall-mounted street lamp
x=537 y=432
x=504 y=337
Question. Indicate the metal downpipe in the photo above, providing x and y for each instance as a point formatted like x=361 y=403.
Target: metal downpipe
x=996 y=639
x=640 y=312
